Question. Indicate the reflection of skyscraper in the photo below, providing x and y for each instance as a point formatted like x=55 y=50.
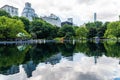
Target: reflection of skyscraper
x=29 y=68
x=95 y=58
x=70 y=58
x=54 y=59
x=12 y=70
x=95 y=17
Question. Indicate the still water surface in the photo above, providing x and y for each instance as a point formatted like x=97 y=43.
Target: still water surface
x=61 y=61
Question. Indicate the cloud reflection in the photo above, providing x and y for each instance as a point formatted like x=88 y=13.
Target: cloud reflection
x=81 y=68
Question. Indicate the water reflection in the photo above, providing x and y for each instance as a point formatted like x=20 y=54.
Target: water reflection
x=62 y=61
x=10 y=58
x=78 y=69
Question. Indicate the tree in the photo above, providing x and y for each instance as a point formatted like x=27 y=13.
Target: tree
x=96 y=29
x=43 y=29
x=98 y=24
x=113 y=29
x=4 y=13
x=10 y=28
x=82 y=32
x=94 y=24
x=26 y=23
x=101 y=30
x=92 y=32
x=90 y=25
x=65 y=30
x=38 y=28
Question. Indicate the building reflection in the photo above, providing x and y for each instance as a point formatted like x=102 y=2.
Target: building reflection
x=12 y=70
x=54 y=59
x=52 y=53
x=70 y=58
x=29 y=68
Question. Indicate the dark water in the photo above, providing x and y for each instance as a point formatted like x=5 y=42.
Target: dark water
x=61 y=61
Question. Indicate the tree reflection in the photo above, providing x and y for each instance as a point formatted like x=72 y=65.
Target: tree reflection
x=91 y=48
x=11 y=56
x=113 y=50
x=40 y=52
x=67 y=49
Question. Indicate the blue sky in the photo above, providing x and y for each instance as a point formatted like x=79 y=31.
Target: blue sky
x=80 y=10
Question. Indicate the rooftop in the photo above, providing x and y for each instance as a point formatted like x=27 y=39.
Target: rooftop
x=9 y=6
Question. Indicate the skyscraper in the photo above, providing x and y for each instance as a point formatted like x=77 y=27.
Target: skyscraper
x=95 y=17
x=119 y=17
x=29 y=12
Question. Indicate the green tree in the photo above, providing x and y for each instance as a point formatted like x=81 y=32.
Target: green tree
x=98 y=24
x=90 y=25
x=82 y=32
x=43 y=29
x=95 y=29
x=26 y=23
x=113 y=29
x=66 y=30
x=92 y=32
x=101 y=30
x=4 y=13
x=10 y=28
x=94 y=24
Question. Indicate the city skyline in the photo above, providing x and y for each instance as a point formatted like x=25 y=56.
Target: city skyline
x=81 y=11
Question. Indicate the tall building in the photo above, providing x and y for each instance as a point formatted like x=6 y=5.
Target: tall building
x=95 y=17
x=52 y=19
x=11 y=10
x=29 y=12
x=119 y=17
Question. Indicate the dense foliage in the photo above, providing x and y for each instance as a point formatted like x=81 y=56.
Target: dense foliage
x=82 y=32
x=4 y=13
x=113 y=30
x=21 y=27
x=42 y=30
x=12 y=28
x=66 y=31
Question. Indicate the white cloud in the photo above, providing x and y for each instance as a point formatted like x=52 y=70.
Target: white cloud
x=81 y=10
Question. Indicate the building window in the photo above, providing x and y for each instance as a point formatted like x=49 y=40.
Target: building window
x=12 y=11
x=16 y=12
x=8 y=10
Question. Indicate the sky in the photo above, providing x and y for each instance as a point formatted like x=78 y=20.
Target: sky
x=81 y=11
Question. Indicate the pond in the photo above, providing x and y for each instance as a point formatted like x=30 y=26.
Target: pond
x=79 y=60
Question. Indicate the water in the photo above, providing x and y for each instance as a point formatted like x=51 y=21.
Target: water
x=79 y=60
